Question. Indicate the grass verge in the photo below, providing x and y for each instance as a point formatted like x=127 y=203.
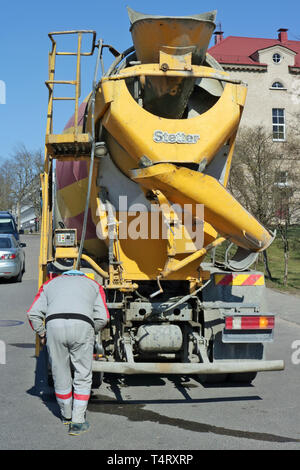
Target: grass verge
x=276 y=262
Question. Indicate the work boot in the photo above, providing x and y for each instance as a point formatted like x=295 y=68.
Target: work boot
x=66 y=421
x=75 y=429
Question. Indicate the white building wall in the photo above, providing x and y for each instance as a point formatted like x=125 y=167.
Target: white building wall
x=261 y=98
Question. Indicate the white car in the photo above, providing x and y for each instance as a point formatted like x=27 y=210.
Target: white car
x=12 y=258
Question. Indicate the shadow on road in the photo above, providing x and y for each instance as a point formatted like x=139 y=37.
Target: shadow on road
x=4 y=280
x=135 y=411
x=41 y=387
x=181 y=383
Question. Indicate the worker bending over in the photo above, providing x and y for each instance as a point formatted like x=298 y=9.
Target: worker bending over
x=69 y=310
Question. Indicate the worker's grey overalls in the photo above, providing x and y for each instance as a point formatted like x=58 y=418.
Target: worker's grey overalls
x=74 y=309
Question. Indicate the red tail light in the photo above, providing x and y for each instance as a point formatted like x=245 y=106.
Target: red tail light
x=250 y=322
x=8 y=256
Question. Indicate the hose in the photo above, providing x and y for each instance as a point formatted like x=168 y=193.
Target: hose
x=118 y=60
x=87 y=203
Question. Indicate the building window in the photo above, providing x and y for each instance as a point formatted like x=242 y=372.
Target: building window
x=276 y=58
x=278 y=123
x=277 y=85
x=281 y=178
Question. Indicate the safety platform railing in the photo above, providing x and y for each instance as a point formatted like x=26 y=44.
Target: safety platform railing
x=76 y=142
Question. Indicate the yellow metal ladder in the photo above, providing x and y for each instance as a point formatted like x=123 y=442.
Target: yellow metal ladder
x=76 y=143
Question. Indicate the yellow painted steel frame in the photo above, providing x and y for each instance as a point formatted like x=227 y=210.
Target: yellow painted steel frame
x=206 y=133
x=136 y=132
x=46 y=254
x=51 y=81
x=172 y=266
x=46 y=225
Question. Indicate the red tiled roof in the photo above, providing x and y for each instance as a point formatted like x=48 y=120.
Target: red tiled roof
x=240 y=50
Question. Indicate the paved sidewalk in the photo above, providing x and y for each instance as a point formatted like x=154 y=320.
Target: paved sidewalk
x=286 y=306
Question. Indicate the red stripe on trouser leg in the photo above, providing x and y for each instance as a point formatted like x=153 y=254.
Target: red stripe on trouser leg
x=64 y=401
x=80 y=404
x=65 y=396
x=81 y=397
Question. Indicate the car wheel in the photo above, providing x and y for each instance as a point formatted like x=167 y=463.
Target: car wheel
x=18 y=278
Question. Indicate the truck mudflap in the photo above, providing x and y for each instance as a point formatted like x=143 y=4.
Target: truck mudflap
x=163 y=368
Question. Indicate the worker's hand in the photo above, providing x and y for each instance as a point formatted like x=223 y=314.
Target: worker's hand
x=43 y=340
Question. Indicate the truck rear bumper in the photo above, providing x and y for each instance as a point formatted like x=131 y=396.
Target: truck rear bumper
x=221 y=367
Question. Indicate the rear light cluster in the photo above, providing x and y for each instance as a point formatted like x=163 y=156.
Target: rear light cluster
x=250 y=322
x=8 y=256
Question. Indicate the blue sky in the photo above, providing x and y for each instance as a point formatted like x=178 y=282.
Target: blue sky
x=24 y=46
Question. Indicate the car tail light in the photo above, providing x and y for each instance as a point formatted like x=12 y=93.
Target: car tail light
x=8 y=256
x=250 y=322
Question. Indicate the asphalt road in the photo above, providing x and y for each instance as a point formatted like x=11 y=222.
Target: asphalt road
x=152 y=412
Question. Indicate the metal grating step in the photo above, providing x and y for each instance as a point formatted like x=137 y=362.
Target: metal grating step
x=60 y=145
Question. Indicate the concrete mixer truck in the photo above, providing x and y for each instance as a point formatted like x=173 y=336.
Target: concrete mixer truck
x=134 y=194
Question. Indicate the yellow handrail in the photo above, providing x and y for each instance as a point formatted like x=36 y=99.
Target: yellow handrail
x=51 y=81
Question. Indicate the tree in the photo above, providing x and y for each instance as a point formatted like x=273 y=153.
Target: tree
x=253 y=175
x=256 y=180
x=254 y=171
x=287 y=199
x=294 y=91
x=21 y=179
x=6 y=198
